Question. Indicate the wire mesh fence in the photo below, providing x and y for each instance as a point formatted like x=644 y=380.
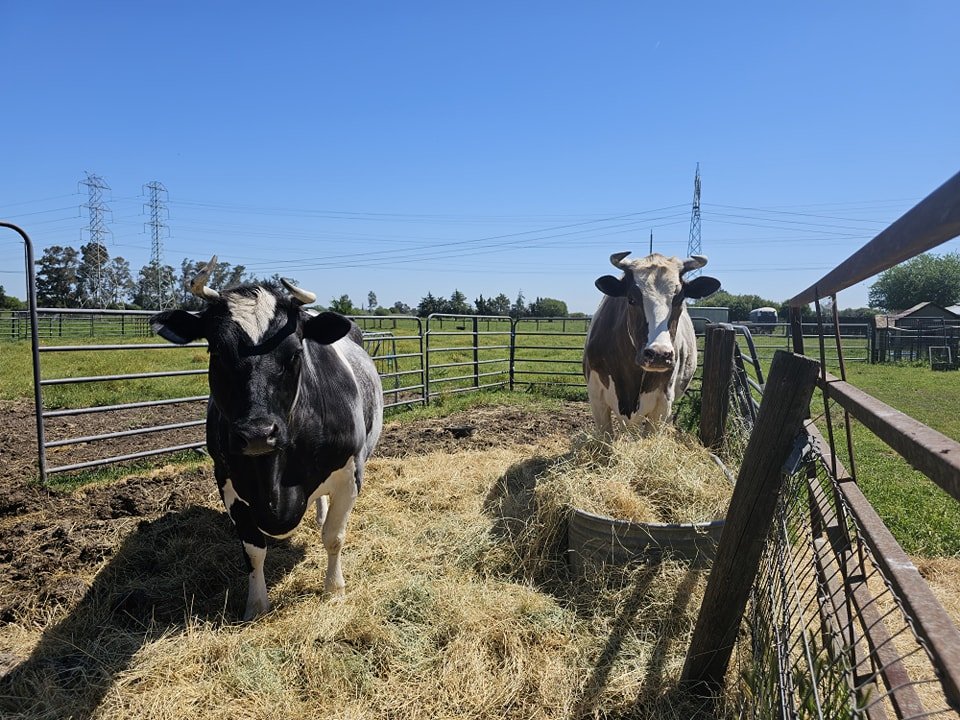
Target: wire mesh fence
x=825 y=635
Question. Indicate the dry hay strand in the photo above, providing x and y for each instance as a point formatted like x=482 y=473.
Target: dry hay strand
x=438 y=620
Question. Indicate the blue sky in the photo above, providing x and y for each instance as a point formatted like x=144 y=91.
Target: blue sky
x=487 y=147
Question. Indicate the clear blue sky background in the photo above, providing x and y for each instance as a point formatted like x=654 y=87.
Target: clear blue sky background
x=486 y=147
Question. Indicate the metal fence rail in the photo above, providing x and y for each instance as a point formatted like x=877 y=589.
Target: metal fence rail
x=419 y=361
x=75 y=323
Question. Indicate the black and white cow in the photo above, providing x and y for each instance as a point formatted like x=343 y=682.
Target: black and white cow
x=295 y=411
x=641 y=351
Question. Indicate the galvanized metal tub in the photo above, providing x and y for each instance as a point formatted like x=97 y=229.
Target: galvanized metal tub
x=595 y=540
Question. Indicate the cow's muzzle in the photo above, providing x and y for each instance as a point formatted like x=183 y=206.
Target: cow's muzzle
x=259 y=436
x=656 y=359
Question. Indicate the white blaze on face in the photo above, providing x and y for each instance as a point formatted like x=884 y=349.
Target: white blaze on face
x=659 y=284
x=252 y=313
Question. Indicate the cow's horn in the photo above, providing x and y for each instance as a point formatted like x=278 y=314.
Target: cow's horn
x=694 y=262
x=617 y=258
x=304 y=296
x=198 y=286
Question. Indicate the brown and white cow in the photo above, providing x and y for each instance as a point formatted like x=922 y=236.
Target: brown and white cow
x=641 y=351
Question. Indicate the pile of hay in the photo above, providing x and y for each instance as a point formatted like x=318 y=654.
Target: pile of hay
x=667 y=477
x=440 y=618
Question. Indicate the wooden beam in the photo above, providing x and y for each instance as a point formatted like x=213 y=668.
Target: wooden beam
x=786 y=401
x=932 y=221
x=929 y=451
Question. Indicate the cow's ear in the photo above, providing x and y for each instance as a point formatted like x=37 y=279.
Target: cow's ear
x=177 y=326
x=327 y=327
x=701 y=287
x=609 y=285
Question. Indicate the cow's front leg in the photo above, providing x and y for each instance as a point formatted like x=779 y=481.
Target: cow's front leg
x=254 y=550
x=344 y=487
x=258 y=603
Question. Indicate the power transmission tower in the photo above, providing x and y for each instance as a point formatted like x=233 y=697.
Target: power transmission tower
x=96 y=228
x=157 y=228
x=693 y=245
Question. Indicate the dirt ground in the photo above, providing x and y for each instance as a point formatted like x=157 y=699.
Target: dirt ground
x=48 y=538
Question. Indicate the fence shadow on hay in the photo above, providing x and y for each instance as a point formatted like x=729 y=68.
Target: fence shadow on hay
x=652 y=600
x=178 y=571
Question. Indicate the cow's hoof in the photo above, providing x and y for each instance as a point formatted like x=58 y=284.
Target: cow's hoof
x=254 y=611
x=334 y=594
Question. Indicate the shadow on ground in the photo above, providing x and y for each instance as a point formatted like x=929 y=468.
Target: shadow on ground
x=183 y=569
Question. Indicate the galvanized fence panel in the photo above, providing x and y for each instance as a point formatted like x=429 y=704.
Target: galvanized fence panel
x=547 y=353
x=77 y=323
x=857 y=340
x=467 y=353
x=396 y=344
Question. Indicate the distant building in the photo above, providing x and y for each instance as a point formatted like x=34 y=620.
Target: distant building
x=908 y=335
x=918 y=315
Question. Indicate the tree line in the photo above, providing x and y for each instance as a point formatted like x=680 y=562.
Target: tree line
x=69 y=278
x=89 y=277
x=457 y=304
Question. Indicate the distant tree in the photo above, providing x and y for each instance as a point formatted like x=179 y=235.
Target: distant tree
x=400 y=308
x=57 y=277
x=458 y=304
x=91 y=275
x=118 y=283
x=519 y=308
x=482 y=306
x=500 y=305
x=430 y=304
x=223 y=276
x=548 y=307
x=925 y=278
x=343 y=305
x=8 y=302
x=740 y=305
x=371 y=301
x=859 y=313
x=155 y=287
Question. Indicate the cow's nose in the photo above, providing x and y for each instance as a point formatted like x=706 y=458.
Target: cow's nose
x=657 y=357
x=255 y=438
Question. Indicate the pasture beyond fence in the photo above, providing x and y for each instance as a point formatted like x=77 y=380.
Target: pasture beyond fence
x=420 y=360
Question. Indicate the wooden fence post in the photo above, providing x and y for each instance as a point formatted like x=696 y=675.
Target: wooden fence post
x=717 y=375
x=785 y=404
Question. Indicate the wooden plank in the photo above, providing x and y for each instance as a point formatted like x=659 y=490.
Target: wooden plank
x=786 y=401
x=930 y=452
x=717 y=377
x=932 y=221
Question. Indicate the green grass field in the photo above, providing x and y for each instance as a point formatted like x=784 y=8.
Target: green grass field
x=924 y=518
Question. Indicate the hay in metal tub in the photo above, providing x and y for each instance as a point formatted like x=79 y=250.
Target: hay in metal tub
x=595 y=540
